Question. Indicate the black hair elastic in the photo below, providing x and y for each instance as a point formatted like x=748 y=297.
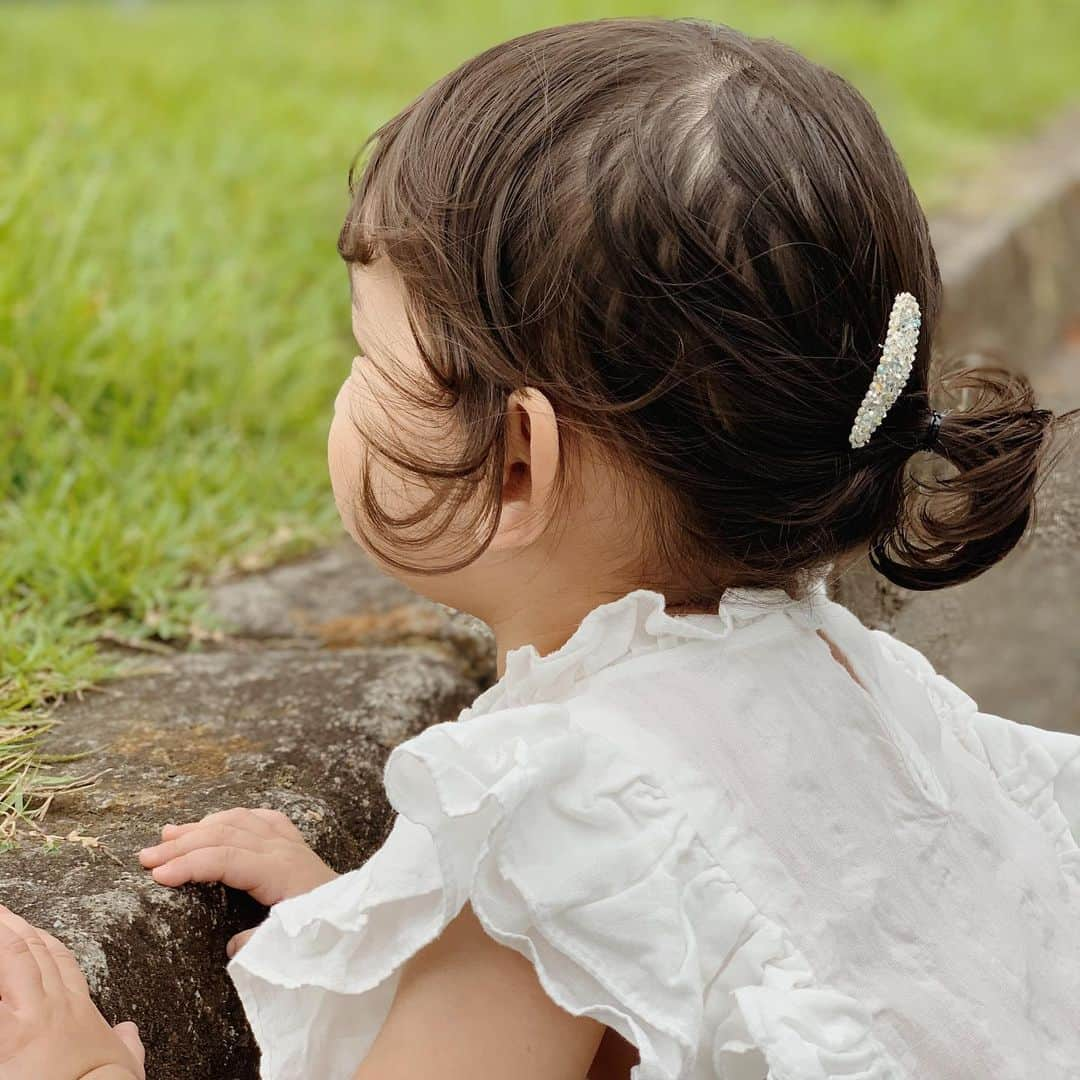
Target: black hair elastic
x=932 y=429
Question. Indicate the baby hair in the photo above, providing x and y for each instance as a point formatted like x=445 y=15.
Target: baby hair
x=690 y=240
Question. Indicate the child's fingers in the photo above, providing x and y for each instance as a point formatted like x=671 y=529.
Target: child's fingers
x=280 y=822
x=242 y=817
x=217 y=835
x=27 y=955
x=237 y=941
x=20 y=973
x=66 y=964
x=239 y=868
x=170 y=829
x=128 y=1033
x=239 y=817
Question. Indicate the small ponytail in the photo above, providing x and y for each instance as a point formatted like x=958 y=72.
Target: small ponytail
x=954 y=527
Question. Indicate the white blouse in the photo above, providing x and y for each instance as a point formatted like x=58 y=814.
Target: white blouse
x=702 y=832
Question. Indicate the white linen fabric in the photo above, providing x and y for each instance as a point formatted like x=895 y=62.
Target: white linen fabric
x=704 y=833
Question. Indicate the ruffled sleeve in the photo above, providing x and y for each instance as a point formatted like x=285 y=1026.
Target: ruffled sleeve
x=573 y=852
x=1038 y=769
x=568 y=855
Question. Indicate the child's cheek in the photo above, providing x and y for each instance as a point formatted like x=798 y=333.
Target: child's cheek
x=344 y=456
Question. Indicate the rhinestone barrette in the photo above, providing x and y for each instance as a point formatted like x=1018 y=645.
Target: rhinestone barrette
x=893 y=369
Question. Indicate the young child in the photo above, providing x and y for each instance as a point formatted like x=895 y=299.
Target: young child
x=645 y=310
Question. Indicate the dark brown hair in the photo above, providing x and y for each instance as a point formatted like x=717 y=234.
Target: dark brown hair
x=690 y=240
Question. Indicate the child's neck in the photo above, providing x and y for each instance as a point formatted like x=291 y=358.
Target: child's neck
x=549 y=625
x=546 y=629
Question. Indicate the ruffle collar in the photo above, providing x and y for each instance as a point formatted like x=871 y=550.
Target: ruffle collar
x=635 y=623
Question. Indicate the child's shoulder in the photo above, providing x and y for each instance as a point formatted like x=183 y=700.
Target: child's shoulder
x=575 y=848
x=664 y=852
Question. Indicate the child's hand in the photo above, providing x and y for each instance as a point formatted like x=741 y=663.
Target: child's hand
x=258 y=851
x=49 y=1027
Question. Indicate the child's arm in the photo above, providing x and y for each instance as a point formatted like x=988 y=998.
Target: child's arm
x=464 y=1002
x=469 y=1008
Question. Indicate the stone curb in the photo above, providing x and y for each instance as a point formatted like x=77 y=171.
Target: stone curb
x=300 y=730
x=1009 y=251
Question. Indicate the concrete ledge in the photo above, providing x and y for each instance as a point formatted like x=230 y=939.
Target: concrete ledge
x=336 y=599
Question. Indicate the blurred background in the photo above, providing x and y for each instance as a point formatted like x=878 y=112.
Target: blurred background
x=174 y=318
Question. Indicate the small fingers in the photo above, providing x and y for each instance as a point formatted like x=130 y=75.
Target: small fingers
x=128 y=1033
x=27 y=970
x=281 y=823
x=237 y=941
x=242 y=817
x=239 y=817
x=215 y=834
x=239 y=868
x=170 y=830
x=66 y=964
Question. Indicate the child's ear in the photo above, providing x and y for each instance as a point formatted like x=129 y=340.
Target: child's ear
x=529 y=468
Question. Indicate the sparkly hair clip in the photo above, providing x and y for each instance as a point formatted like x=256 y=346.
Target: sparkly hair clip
x=893 y=369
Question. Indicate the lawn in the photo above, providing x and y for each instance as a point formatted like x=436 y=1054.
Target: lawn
x=173 y=316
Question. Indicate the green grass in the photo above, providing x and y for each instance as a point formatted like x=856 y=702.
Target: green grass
x=174 y=319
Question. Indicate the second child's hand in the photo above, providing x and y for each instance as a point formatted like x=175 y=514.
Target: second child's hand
x=50 y=1029
x=259 y=851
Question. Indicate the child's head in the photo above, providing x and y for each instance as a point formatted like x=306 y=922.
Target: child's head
x=620 y=287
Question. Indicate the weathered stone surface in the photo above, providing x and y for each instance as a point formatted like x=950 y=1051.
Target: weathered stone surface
x=294 y=599
x=304 y=731
x=1009 y=252
x=337 y=598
